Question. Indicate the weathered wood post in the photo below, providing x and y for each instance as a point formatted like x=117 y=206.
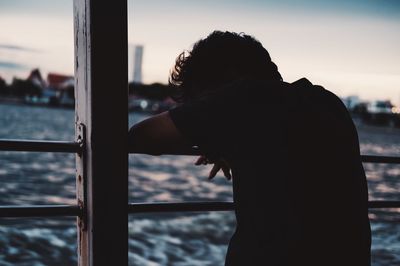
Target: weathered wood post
x=101 y=90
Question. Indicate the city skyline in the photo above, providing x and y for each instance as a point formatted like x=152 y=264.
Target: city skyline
x=349 y=47
x=137 y=63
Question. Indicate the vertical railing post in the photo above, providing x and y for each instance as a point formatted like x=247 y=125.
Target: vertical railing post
x=100 y=36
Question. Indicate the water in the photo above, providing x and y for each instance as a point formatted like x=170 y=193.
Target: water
x=154 y=239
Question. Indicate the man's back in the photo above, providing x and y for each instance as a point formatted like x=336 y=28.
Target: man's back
x=299 y=186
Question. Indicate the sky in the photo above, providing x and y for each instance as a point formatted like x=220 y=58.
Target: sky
x=349 y=47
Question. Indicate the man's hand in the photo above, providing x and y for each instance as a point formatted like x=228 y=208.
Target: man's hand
x=218 y=165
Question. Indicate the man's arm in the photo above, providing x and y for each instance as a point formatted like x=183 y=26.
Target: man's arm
x=157 y=135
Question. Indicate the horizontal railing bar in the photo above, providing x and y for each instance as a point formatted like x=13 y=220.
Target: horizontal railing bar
x=381 y=204
x=71 y=210
x=39 y=211
x=189 y=152
x=219 y=206
x=39 y=146
x=180 y=207
x=380 y=159
x=364 y=158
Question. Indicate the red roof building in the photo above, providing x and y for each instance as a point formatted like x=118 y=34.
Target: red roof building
x=57 y=81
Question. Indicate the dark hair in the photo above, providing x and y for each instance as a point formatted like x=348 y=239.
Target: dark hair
x=220 y=58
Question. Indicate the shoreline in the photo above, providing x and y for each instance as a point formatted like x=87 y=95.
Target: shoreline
x=15 y=101
x=360 y=125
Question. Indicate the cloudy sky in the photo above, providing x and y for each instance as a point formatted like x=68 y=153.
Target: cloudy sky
x=349 y=47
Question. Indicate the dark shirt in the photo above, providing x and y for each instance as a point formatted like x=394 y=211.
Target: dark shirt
x=299 y=186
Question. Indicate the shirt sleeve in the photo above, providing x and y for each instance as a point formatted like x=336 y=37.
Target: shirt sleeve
x=206 y=122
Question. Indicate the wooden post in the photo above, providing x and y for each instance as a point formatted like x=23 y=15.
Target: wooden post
x=101 y=90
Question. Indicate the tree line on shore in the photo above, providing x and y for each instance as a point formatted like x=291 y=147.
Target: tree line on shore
x=21 y=88
x=154 y=91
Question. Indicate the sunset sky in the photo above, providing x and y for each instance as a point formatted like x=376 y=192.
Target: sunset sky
x=349 y=47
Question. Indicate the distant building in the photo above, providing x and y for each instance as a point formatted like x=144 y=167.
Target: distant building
x=36 y=78
x=58 y=81
x=137 y=64
x=60 y=89
x=351 y=102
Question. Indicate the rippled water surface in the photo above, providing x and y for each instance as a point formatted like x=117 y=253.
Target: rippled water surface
x=154 y=239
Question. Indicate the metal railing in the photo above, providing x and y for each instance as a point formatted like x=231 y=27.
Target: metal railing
x=40 y=146
x=40 y=210
x=75 y=210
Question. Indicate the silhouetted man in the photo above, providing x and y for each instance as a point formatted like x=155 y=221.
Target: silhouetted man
x=299 y=186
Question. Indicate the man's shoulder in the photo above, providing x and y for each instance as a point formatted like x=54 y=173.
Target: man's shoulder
x=257 y=90
x=258 y=84
x=317 y=94
x=320 y=102
x=304 y=87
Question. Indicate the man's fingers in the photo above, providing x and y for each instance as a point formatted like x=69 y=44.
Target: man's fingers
x=227 y=172
x=214 y=170
x=226 y=169
x=201 y=160
x=198 y=161
x=218 y=165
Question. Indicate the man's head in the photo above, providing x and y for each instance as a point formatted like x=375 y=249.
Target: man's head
x=221 y=58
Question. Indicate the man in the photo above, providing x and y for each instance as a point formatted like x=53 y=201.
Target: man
x=299 y=187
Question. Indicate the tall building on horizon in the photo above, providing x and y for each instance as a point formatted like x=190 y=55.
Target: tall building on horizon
x=137 y=63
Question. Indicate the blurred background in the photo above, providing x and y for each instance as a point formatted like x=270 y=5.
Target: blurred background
x=349 y=47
